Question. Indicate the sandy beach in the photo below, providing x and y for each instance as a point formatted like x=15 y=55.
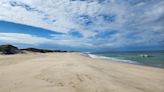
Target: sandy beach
x=72 y=72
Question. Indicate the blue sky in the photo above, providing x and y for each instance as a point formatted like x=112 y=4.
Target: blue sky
x=96 y=25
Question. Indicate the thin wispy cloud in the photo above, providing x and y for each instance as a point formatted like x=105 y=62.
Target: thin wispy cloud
x=23 y=38
x=92 y=23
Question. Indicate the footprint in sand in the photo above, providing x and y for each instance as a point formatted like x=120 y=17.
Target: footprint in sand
x=88 y=77
x=79 y=78
x=60 y=84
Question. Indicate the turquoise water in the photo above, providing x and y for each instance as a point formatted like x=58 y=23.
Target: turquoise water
x=155 y=59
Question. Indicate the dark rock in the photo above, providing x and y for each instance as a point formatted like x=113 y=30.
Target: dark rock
x=9 y=49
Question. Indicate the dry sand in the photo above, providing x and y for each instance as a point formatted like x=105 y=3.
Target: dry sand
x=72 y=72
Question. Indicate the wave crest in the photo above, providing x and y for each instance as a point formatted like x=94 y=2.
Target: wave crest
x=109 y=58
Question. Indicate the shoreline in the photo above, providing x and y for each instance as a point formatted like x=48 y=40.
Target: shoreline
x=99 y=57
x=73 y=72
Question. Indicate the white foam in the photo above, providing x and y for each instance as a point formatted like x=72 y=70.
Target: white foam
x=110 y=58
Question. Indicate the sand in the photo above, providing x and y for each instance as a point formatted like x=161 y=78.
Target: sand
x=72 y=72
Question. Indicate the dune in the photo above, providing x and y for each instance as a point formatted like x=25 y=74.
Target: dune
x=72 y=72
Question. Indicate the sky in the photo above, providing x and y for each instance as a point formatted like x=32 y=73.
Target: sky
x=95 y=25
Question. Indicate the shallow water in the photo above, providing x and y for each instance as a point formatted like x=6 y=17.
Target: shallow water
x=154 y=58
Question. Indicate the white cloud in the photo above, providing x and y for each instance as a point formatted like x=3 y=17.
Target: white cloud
x=20 y=38
x=142 y=17
x=23 y=38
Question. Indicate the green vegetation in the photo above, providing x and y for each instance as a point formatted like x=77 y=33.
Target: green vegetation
x=9 y=49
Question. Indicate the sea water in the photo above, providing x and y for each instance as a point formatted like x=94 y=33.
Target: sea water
x=149 y=58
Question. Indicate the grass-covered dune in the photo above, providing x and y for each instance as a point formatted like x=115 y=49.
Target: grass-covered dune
x=10 y=49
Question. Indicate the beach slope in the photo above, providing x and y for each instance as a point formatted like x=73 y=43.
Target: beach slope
x=72 y=72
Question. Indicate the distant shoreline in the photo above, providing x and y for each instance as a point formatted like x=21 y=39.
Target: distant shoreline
x=10 y=49
x=113 y=59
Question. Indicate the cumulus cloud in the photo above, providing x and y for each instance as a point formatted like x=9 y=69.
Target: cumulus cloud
x=101 y=23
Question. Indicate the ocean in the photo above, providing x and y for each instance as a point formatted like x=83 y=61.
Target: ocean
x=148 y=58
